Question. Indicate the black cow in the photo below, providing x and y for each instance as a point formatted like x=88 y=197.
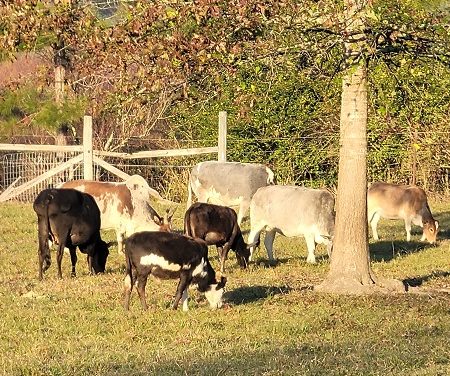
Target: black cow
x=71 y=219
x=217 y=225
x=168 y=255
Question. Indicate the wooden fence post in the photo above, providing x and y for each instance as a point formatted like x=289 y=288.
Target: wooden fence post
x=59 y=84
x=88 y=167
x=222 y=153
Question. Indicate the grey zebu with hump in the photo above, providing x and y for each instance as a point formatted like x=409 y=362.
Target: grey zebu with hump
x=292 y=211
x=407 y=202
x=228 y=183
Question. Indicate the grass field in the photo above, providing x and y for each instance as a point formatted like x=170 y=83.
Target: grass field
x=273 y=323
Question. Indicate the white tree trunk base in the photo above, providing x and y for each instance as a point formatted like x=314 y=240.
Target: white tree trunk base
x=346 y=285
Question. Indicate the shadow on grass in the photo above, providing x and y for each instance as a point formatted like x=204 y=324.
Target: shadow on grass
x=418 y=281
x=249 y=294
x=388 y=250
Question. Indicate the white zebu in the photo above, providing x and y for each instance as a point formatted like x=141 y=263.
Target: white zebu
x=125 y=207
x=228 y=183
x=292 y=211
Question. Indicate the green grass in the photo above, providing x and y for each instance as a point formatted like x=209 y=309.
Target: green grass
x=273 y=323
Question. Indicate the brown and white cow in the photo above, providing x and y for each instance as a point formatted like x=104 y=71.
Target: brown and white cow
x=407 y=202
x=228 y=183
x=124 y=207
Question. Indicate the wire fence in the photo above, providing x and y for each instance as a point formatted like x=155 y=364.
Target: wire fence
x=311 y=161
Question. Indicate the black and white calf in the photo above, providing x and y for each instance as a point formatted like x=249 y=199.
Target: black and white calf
x=69 y=219
x=217 y=225
x=170 y=256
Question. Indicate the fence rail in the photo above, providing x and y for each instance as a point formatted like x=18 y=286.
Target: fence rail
x=39 y=166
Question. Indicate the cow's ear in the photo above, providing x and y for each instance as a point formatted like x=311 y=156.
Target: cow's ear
x=221 y=284
x=222 y=279
x=158 y=220
x=168 y=215
x=437 y=224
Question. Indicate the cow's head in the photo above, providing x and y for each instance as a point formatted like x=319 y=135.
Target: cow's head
x=100 y=256
x=430 y=230
x=165 y=223
x=215 y=291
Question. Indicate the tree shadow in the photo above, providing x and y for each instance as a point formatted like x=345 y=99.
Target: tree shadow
x=389 y=250
x=265 y=263
x=418 y=281
x=249 y=294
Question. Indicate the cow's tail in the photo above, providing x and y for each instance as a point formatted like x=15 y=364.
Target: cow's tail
x=44 y=233
x=187 y=223
x=189 y=199
x=270 y=176
x=128 y=283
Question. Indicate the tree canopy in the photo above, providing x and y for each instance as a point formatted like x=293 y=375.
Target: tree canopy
x=275 y=66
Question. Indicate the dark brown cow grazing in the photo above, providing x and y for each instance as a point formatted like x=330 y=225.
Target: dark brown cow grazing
x=407 y=202
x=217 y=225
x=69 y=219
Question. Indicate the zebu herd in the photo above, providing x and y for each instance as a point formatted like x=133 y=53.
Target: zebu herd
x=72 y=216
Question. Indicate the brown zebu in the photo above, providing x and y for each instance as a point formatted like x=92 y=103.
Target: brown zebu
x=407 y=202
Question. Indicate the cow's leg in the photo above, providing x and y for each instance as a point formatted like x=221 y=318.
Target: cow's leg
x=182 y=286
x=43 y=250
x=223 y=254
x=184 y=300
x=311 y=245
x=59 y=256
x=44 y=260
x=373 y=223
x=268 y=242
x=141 y=282
x=120 y=237
x=243 y=207
x=253 y=238
x=219 y=252
x=418 y=222
x=73 y=260
x=90 y=252
x=408 y=229
x=128 y=287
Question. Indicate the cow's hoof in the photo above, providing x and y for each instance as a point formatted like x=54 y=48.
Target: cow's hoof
x=272 y=262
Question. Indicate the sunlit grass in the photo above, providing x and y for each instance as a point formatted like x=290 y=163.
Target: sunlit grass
x=273 y=322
